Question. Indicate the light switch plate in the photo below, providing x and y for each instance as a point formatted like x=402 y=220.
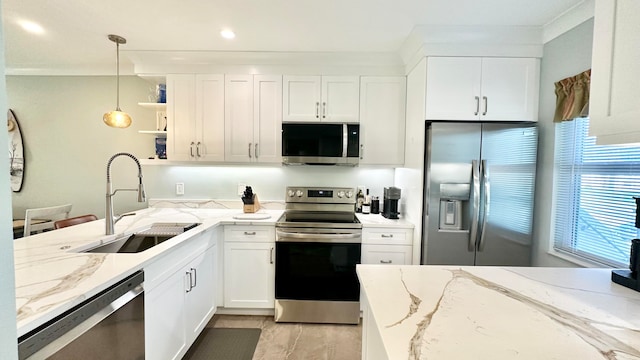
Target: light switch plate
x=241 y=188
x=179 y=188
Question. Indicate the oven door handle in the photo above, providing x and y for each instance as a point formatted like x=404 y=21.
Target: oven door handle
x=284 y=236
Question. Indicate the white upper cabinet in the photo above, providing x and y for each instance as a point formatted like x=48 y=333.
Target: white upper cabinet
x=614 y=107
x=195 y=117
x=253 y=118
x=468 y=88
x=382 y=119
x=321 y=98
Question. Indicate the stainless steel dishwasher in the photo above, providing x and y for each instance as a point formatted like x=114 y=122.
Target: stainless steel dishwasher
x=110 y=325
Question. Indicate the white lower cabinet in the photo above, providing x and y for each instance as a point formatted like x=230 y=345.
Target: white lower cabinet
x=180 y=297
x=386 y=254
x=392 y=246
x=249 y=267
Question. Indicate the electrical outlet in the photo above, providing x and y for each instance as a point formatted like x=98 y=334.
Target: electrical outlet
x=241 y=188
x=179 y=188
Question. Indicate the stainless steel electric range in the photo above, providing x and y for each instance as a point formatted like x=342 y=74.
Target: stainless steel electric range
x=318 y=244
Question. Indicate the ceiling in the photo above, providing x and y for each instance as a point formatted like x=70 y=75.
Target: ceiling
x=75 y=31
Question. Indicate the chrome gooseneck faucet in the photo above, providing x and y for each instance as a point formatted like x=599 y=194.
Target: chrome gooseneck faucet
x=109 y=219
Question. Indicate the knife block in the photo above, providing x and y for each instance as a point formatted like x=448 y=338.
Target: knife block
x=251 y=208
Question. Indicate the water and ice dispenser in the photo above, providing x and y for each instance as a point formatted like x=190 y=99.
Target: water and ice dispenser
x=454 y=205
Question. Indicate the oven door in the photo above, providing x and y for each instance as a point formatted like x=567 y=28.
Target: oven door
x=318 y=264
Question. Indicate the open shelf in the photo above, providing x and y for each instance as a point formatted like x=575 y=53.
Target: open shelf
x=153 y=132
x=154 y=106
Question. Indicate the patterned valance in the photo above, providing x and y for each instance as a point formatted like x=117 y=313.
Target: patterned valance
x=572 y=97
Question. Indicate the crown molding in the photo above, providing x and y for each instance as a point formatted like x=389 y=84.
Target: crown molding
x=568 y=20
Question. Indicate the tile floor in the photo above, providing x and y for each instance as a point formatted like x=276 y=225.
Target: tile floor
x=284 y=341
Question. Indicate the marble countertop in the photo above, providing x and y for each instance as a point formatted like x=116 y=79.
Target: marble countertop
x=377 y=220
x=440 y=312
x=52 y=276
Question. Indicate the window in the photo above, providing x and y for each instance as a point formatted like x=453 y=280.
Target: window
x=594 y=189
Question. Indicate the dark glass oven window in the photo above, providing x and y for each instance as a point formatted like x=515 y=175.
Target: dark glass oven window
x=317 y=271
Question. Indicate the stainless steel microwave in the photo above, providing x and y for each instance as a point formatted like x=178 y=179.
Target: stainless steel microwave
x=321 y=144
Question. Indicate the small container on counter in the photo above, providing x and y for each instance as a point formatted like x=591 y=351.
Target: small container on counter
x=375 y=205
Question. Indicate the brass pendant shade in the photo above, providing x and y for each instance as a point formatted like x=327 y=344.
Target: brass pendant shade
x=117 y=118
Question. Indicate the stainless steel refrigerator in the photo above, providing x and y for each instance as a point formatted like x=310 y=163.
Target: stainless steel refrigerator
x=478 y=193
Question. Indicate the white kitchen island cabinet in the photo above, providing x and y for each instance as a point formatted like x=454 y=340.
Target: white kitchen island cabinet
x=382 y=119
x=321 y=99
x=253 y=118
x=472 y=88
x=180 y=297
x=614 y=108
x=195 y=117
x=249 y=267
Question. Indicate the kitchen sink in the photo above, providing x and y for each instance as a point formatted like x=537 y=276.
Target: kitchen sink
x=143 y=240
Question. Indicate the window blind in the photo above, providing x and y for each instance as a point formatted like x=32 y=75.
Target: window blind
x=594 y=187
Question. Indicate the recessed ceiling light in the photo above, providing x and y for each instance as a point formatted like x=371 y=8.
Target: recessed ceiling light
x=31 y=27
x=227 y=34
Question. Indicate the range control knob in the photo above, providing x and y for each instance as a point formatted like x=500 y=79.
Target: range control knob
x=299 y=193
x=340 y=194
x=291 y=193
x=349 y=194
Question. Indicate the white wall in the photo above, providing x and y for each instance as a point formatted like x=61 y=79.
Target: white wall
x=67 y=145
x=564 y=56
x=269 y=182
x=410 y=177
x=8 y=329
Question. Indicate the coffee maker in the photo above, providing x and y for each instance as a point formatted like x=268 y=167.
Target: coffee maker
x=391 y=198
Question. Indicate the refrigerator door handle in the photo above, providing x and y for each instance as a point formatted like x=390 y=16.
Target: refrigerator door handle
x=487 y=202
x=475 y=216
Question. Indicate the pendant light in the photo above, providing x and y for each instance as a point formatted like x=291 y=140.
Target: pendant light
x=117 y=118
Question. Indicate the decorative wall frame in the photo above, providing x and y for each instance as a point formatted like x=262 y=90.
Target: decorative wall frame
x=16 y=152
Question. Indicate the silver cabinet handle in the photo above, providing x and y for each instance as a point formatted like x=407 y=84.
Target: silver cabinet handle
x=191 y=148
x=255 y=150
x=249 y=150
x=486 y=105
x=487 y=201
x=324 y=109
x=475 y=216
x=271 y=255
x=386 y=262
x=190 y=281
x=361 y=150
x=477 y=106
x=198 y=149
x=249 y=233
x=317 y=110
x=386 y=236
x=195 y=276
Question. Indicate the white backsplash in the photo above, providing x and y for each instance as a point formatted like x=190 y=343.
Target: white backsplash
x=221 y=182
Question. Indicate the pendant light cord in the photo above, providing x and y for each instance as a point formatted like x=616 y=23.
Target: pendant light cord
x=118 y=76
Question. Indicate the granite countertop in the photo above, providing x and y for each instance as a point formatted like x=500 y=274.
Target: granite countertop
x=441 y=312
x=52 y=277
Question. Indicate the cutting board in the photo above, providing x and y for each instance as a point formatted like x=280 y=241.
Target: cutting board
x=251 y=216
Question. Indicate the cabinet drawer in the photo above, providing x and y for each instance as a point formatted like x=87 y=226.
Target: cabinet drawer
x=387 y=236
x=386 y=254
x=249 y=233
